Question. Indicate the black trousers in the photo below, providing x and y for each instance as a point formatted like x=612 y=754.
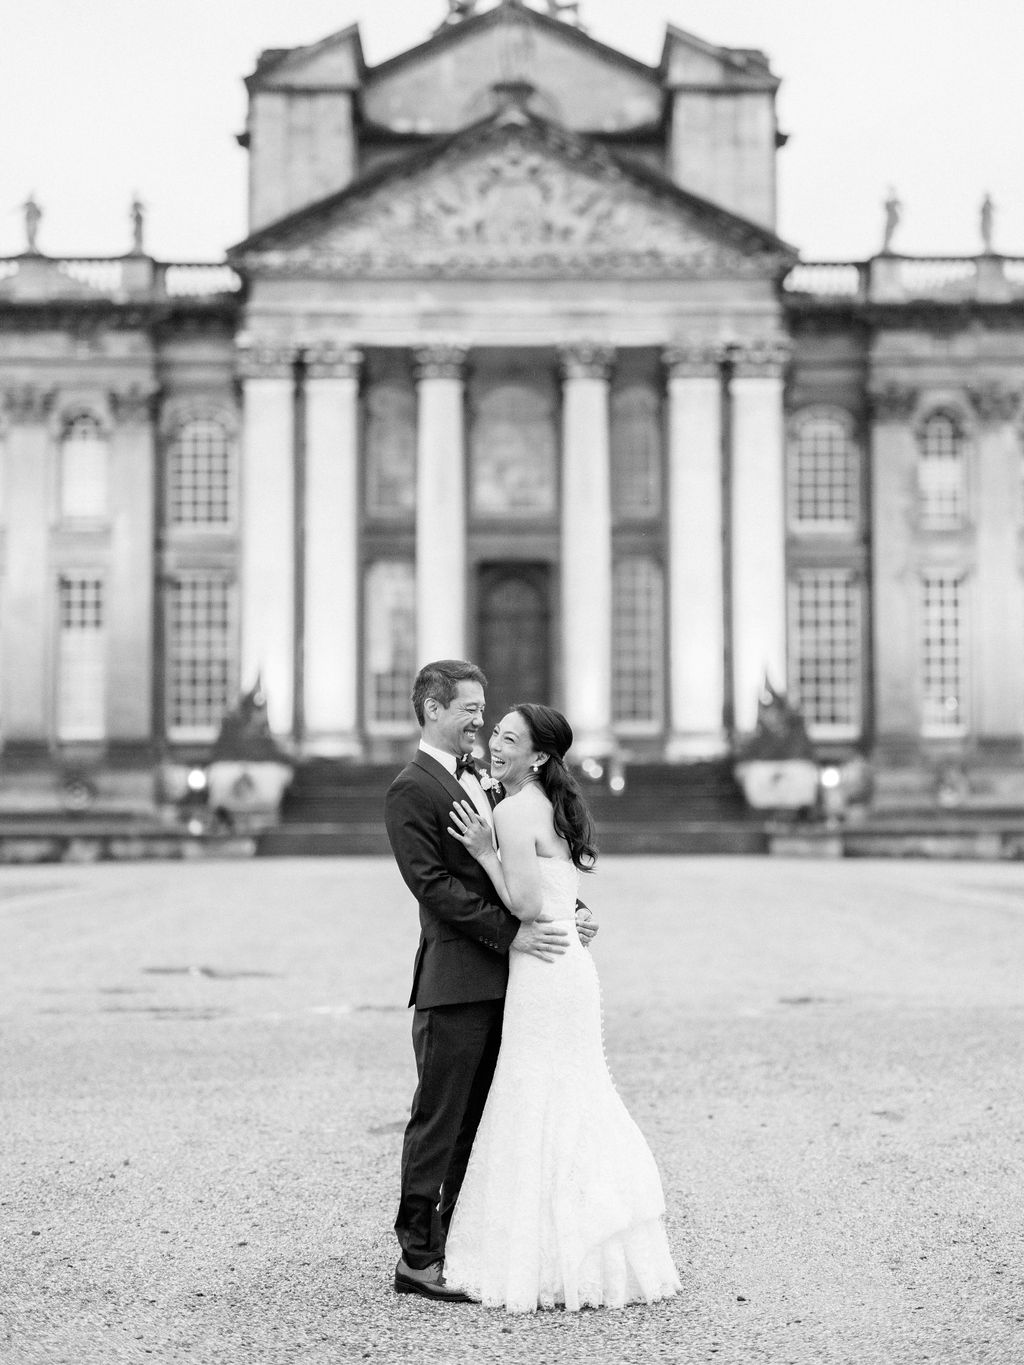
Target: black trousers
x=456 y=1047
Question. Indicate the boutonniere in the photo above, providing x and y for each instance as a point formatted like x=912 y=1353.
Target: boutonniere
x=488 y=783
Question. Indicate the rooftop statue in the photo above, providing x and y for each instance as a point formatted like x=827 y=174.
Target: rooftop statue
x=987 y=217
x=893 y=214
x=33 y=217
x=137 y=213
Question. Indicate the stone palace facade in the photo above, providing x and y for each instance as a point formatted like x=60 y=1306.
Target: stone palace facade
x=513 y=365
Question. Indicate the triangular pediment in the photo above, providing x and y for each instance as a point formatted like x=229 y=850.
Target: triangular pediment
x=447 y=82
x=514 y=197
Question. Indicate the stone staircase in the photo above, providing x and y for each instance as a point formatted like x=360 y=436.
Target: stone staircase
x=335 y=807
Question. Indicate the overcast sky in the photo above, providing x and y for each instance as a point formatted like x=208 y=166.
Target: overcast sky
x=104 y=99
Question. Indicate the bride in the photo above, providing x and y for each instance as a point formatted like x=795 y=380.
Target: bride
x=562 y=1203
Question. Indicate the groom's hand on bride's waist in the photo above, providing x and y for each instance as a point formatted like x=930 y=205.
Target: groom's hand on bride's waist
x=586 y=925
x=546 y=939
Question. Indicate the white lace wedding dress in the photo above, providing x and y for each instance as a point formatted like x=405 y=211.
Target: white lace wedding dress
x=562 y=1203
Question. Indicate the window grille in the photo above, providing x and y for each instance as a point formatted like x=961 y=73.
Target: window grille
x=83 y=469
x=638 y=642
x=941 y=473
x=200 y=474
x=201 y=671
x=824 y=470
x=390 y=644
x=943 y=703
x=81 y=666
x=825 y=630
x=635 y=453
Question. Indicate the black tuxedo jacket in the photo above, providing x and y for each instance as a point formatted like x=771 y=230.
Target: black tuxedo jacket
x=465 y=931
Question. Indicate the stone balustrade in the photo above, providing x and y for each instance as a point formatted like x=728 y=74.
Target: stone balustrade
x=908 y=279
x=37 y=278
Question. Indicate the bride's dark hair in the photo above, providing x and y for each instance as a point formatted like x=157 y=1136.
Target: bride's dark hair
x=551 y=734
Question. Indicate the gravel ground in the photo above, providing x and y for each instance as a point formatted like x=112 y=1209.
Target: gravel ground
x=206 y=1070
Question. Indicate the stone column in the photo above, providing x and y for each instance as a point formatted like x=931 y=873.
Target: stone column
x=586 y=526
x=132 y=571
x=28 y=595
x=998 y=666
x=695 y=554
x=894 y=578
x=268 y=529
x=440 y=505
x=758 y=517
x=331 y=673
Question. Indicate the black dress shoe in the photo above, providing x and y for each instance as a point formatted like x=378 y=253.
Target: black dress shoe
x=429 y=1282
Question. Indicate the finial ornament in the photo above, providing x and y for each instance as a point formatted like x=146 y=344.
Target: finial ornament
x=33 y=217
x=893 y=214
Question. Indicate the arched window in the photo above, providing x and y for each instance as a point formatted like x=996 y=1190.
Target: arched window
x=390 y=645
x=83 y=469
x=941 y=472
x=200 y=474
x=824 y=473
x=638 y=634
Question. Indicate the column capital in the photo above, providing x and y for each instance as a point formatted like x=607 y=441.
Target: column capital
x=264 y=359
x=760 y=358
x=325 y=360
x=892 y=402
x=586 y=360
x=28 y=403
x=994 y=402
x=136 y=404
x=692 y=360
x=441 y=361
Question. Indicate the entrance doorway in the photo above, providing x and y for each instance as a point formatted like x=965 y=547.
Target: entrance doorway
x=513 y=633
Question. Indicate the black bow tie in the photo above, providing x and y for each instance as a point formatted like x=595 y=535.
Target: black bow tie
x=464 y=764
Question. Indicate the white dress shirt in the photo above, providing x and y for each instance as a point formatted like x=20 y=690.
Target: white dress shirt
x=467 y=779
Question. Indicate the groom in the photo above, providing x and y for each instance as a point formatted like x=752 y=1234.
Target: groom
x=461 y=968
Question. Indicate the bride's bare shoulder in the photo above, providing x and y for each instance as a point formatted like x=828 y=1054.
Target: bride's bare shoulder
x=526 y=809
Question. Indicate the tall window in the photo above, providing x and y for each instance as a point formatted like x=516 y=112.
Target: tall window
x=390 y=441
x=81 y=663
x=943 y=703
x=824 y=471
x=638 y=643
x=825 y=630
x=83 y=469
x=941 y=473
x=200 y=682
x=390 y=644
x=635 y=452
x=200 y=474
